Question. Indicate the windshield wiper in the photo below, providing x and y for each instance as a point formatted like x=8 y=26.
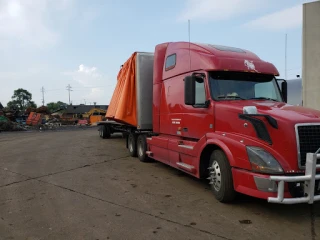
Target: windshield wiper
x=264 y=98
x=230 y=97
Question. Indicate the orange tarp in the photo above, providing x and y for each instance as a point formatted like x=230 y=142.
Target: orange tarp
x=123 y=105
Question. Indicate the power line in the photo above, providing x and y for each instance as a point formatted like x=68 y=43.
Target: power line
x=69 y=90
x=59 y=89
x=110 y=85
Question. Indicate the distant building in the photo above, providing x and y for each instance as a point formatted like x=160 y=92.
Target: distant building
x=1 y=106
x=77 y=110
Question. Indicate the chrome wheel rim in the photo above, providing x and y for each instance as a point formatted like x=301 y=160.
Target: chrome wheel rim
x=215 y=176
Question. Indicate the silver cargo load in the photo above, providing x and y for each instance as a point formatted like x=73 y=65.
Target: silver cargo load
x=144 y=89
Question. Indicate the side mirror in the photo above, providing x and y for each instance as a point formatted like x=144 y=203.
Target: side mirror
x=190 y=90
x=284 y=88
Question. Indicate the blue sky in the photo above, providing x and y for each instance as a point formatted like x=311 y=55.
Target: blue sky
x=53 y=43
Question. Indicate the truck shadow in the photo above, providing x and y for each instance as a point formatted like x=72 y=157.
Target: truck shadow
x=287 y=213
x=292 y=213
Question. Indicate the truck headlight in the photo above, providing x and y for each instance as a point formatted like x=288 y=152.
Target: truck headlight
x=262 y=161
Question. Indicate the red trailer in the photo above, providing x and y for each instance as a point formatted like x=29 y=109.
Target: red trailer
x=218 y=113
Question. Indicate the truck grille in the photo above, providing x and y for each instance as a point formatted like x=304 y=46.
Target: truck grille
x=308 y=138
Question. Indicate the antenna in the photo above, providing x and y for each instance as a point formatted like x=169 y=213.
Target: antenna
x=285 y=58
x=189 y=43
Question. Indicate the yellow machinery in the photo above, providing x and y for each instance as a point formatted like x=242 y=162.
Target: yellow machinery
x=94 y=115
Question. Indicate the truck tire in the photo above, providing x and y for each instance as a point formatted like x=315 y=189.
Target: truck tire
x=142 y=148
x=132 y=144
x=220 y=177
x=100 y=131
x=105 y=132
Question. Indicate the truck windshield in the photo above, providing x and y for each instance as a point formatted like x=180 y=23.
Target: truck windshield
x=243 y=86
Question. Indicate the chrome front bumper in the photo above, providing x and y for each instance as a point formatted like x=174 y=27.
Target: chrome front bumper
x=309 y=180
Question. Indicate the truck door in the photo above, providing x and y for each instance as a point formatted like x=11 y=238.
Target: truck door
x=198 y=119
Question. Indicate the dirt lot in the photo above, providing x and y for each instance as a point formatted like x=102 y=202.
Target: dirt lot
x=75 y=185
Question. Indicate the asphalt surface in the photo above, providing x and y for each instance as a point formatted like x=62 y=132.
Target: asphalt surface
x=75 y=185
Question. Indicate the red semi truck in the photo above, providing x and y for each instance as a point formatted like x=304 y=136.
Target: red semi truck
x=218 y=113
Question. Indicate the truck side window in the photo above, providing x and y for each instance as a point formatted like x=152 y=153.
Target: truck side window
x=200 y=92
x=170 y=62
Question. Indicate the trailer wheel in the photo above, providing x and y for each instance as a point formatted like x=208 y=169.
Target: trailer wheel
x=220 y=177
x=142 y=148
x=100 y=131
x=105 y=131
x=132 y=144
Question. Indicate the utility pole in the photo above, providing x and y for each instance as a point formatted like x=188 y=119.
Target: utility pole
x=69 y=90
x=42 y=90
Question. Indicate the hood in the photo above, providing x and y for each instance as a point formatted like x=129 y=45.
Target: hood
x=277 y=110
x=280 y=141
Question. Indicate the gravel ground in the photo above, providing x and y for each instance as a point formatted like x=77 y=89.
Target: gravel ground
x=71 y=184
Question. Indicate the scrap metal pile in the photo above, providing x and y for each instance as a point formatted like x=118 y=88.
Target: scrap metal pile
x=42 y=119
x=7 y=125
x=12 y=120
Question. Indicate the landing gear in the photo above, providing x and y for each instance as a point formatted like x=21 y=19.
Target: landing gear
x=220 y=177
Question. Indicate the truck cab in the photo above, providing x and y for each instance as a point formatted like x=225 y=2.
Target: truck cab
x=219 y=113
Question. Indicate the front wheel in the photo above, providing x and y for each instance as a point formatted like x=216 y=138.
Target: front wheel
x=220 y=177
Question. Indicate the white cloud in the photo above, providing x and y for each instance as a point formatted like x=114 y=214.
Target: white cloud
x=218 y=9
x=282 y=20
x=96 y=94
x=87 y=70
x=93 y=86
x=26 y=21
x=86 y=76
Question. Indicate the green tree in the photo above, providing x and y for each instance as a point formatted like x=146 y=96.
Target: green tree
x=54 y=106
x=21 y=100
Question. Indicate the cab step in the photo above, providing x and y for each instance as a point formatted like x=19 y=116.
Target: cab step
x=185 y=146
x=186 y=167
